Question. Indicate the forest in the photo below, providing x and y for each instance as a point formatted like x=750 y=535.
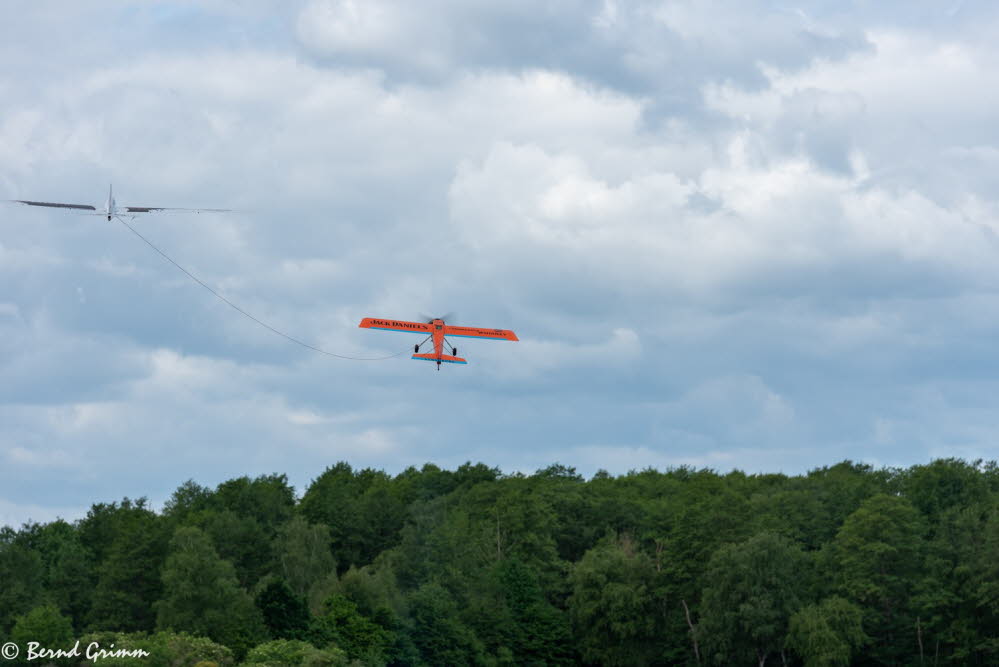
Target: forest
x=844 y=565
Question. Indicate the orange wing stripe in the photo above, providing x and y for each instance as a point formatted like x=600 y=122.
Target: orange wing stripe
x=474 y=332
x=394 y=325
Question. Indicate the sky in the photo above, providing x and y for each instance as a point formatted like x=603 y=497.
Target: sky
x=738 y=235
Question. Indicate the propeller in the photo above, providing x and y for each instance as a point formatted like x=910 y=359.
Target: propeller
x=446 y=317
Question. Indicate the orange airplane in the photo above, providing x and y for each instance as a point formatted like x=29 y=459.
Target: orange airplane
x=437 y=330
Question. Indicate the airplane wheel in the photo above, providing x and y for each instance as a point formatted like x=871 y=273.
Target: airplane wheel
x=416 y=348
x=454 y=352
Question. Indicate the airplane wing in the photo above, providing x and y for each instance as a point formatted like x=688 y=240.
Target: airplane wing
x=474 y=332
x=153 y=209
x=52 y=204
x=394 y=325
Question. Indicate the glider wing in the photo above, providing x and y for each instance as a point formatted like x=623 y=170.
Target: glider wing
x=52 y=204
x=153 y=209
x=474 y=332
x=394 y=325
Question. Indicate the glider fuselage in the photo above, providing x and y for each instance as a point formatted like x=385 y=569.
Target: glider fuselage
x=109 y=209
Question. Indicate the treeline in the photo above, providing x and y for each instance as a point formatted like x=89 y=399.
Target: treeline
x=844 y=565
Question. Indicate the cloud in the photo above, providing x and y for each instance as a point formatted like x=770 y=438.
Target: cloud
x=893 y=103
x=639 y=47
x=536 y=358
x=728 y=235
x=15 y=514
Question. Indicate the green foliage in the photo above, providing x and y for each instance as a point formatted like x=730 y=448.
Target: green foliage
x=303 y=554
x=439 y=635
x=559 y=472
x=281 y=652
x=536 y=633
x=68 y=577
x=343 y=626
x=827 y=634
x=752 y=590
x=238 y=539
x=21 y=579
x=705 y=513
x=130 y=543
x=46 y=626
x=473 y=567
x=363 y=511
x=285 y=614
x=944 y=484
x=190 y=498
x=879 y=556
x=372 y=588
x=984 y=584
x=201 y=595
x=267 y=499
x=616 y=617
x=164 y=649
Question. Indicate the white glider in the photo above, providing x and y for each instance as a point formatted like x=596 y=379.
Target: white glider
x=111 y=209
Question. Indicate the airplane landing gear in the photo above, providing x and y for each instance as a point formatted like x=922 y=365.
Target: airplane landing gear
x=454 y=352
x=416 y=348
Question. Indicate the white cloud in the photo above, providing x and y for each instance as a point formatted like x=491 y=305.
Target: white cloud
x=727 y=235
x=536 y=358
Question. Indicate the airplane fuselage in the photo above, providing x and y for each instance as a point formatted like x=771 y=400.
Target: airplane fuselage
x=437 y=332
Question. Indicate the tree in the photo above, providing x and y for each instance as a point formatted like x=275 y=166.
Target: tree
x=424 y=484
x=163 y=649
x=381 y=515
x=437 y=631
x=68 y=569
x=357 y=635
x=201 y=595
x=984 y=582
x=958 y=559
x=842 y=488
x=46 y=626
x=303 y=555
x=878 y=555
x=751 y=591
x=538 y=634
x=291 y=652
x=268 y=499
x=189 y=498
x=128 y=574
x=364 y=516
x=616 y=619
x=942 y=484
x=285 y=614
x=685 y=516
x=795 y=511
x=21 y=576
x=242 y=541
x=827 y=634
x=510 y=518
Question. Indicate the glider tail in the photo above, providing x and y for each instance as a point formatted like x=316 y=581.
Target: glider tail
x=445 y=358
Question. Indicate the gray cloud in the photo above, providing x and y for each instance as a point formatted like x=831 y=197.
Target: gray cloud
x=728 y=235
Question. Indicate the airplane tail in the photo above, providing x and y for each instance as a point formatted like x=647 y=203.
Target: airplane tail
x=445 y=358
